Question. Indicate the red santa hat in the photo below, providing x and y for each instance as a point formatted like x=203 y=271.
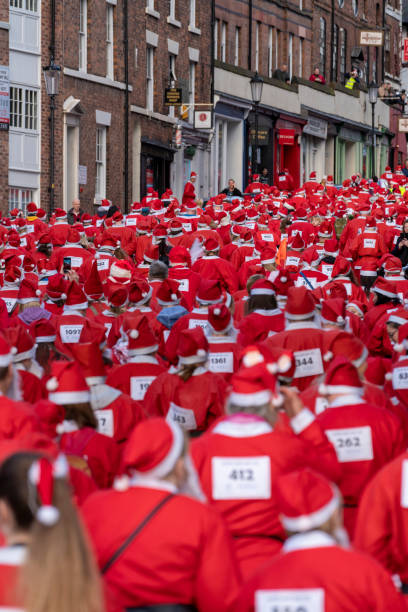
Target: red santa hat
x=57 y=287
x=305 y=499
x=117 y=216
x=73 y=236
x=43 y=331
x=153 y=448
x=192 y=346
x=31 y=208
x=268 y=255
x=370 y=223
x=41 y=475
x=168 y=293
x=67 y=384
x=282 y=283
x=76 y=299
x=22 y=343
x=310 y=256
x=341 y=377
x=369 y=269
x=28 y=291
x=180 y=256
x=255 y=384
x=385 y=287
x=262 y=287
x=334 y=312
x=325 y=230
x=14 y=240
x=312 y=176
x=301 y=213
x=329 y=179
x=219 y=318
x=116 y=295
x=140 y=291
x=297 y=243
x=141 y=341
x=6 y=353
x=331 y=247
x=344 y=343
x=402 y=345
x=398 y=316
x=175 y=227
x=300 y=304
x=60 y=214
x=209 y=292
x=120 y=272
x=341 y=267
x=89 y=358
x=151 y=253
x=193 y=174
x=12 y=276
x=93 y=287
x=211 y=245
x=109 y=242
x=41 y=213
x=393 y=265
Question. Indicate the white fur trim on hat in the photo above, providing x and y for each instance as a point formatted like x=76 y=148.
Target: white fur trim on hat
x=383 y=292
x=25 y=355
x=250 y=399
x=145 y=350
x=176 y=449
x=5 y=360
x=306 y=522
x=40 y=339
x=200 y=357
x=299 y=317
x=334 y=389
x=262 y=292
x=69 y=397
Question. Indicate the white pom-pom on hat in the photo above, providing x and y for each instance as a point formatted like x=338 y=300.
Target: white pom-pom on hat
x=399 y=348
x=173 y=297
x=63 y=296
x=284 y=363
x=13 y=350
x=134 y=334
x=323 y=390
x=284 y=279
x=52 y=384
x=47 y=515
x=327 y=356
x=121 y=483
x=388 y=376
x=217 y=312
x=201 y=353
x=272 y=368
x=340 y=319
x=252 y=358
x=38 y=292
x=277 y=400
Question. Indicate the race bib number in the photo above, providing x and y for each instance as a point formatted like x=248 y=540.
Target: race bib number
x=184 y=285
x=166 y=335
x=10 y=303
x=99 y=222
x=290 y=600
x=295 y=232
x=30 y=229
x=327 y=269
x=302 y=282
x=250 y=224
x=352 y=444
x=267 y=237
x=404 y=484
x=400 y=378
x=222 y=362
x=321 y=405
x=197 y=323
x=102 y=264
x=70 y=333
x=292 y=261
x=348 y=288
x=187 y=227
x=131 y=221
x=76 y=262
x=184 y=417
x=105 y=422
x=23 y=242
x=369 y=243
x=139 y=385
x=241 y=477
x=108 y=327
x=308 y=363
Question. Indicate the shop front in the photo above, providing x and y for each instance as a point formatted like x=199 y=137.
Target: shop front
x=315 y=152
x=287 y=147
x=155 y=160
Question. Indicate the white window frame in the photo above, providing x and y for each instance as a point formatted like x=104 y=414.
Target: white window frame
x=192 y=11
x=300 y=57
x=216 y=30
x=25 y=106
x=257 y=46
x=83 y=36
x=100 y=159
x=237 y=41
x=21 y=197
x=270 y=51
x=25 y=6
x=277 y=36
x=223 y=46
x=191 y=90
x=290 y=55
x=172 y=9
x=172 y=78
x=150 y=4
x=109 y=42
x=150 y=78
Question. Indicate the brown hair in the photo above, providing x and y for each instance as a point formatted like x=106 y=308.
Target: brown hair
x=60 y=572
x=187 y=370
x=82 y=414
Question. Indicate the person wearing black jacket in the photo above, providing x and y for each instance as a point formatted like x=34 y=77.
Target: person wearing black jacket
x=231 y=191
x=74 y=215
x=401 y=248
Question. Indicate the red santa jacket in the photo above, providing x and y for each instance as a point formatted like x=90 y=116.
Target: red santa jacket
x=259 y=325
x=216 y=268
x=365 y=437
x=382 y=520
x=189 y=194
x=194 y=403
x=77 y=254
x=135 y=377
x=306 y=341
x=223 y=355
x=183 y=555
x=197 y=317
x=313 y=573
x=239 y=459
x=189 y=282
x=11 y=560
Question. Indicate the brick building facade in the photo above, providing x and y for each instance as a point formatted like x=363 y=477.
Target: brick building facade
x=92 y=109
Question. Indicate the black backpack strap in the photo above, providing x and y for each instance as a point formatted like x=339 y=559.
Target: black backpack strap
x=136 y=532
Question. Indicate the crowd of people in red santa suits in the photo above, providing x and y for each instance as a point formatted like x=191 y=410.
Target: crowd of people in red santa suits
x=229 y=384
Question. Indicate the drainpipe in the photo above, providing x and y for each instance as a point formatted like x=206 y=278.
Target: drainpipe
x=126 y=107
x=249 y=34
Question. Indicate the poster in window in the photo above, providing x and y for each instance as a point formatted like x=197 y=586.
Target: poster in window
x=4 y=98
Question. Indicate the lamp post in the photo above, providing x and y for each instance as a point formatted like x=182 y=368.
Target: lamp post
x=373 y=96
x=51 y=78
x=256 y=93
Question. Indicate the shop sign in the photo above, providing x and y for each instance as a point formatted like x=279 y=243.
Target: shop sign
x=4 y=98
x=286 y=137
x=172 y=96
x=368 y=37
x=316 y=127
x=263 y=136
x=405 y=50
x=403 y=124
